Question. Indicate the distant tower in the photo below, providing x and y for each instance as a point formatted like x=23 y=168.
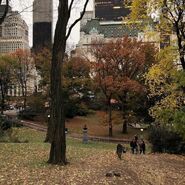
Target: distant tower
x=111 y=10
x=42 y=23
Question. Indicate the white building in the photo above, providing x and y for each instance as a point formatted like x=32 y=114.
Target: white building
x=13 y=33
x=96 y=30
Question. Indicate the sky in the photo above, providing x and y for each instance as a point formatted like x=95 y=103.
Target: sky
x=25 y=8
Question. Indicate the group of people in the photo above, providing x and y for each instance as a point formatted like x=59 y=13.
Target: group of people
x=137 y=146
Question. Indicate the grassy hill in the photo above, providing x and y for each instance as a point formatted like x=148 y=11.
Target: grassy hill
x=25 y=163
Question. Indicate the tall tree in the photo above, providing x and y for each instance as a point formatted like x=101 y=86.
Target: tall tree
x=165 y=81
x=77 y=79
x=57 y=132
x=23 y=66
x=42 y=61
x=103 y=73
x=6 y=72
x=170 y=19
x=123 y=65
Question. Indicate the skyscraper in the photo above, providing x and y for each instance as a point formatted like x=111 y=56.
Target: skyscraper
x=42 y=23
x=112 y=10
x=13 y=32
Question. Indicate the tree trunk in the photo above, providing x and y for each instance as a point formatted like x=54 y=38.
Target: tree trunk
x=58 y=138
x=124 y=128
x=2 y=99
x=181 y=48
x=110 y=118
x=25 y=94
x=57 y=129
x=123 y=107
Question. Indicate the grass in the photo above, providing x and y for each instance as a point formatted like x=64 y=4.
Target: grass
x=96 y=124
x=25 y=163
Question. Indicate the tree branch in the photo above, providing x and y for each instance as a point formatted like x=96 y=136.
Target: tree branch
x=77 y=20
x=70 y=7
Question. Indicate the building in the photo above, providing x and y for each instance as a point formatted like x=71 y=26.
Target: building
x=88 y=15
x=42 y=23
x=13 y=32
x=111 y=10
x=95 y=30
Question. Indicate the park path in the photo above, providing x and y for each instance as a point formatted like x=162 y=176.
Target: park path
x=43 y=128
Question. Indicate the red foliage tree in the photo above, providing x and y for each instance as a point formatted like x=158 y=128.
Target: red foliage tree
x=119 y=68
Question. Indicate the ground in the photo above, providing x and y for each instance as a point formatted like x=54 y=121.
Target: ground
x=96 y=124
x=25 y=163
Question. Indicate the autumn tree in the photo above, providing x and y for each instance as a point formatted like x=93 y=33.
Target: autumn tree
x=165 y=80
x=169 y=19
x=126 y=61
x=77 y=85
x=23 y=66
x=42 y=61
x=103 y=73
x=6 y=72
x=57 y=139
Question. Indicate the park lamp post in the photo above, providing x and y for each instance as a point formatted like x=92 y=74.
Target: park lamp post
x=141 y=133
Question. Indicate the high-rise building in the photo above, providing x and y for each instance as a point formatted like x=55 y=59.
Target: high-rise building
x=112 y=10
x=13 y=32
x=42 y=23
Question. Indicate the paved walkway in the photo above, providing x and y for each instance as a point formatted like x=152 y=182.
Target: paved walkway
x=74 y=135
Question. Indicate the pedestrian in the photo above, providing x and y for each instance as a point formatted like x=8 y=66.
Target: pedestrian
x=85 y=134
x=134 y=147
x=142 y=147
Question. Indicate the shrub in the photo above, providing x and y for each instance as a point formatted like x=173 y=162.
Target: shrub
x=163 y=139
x=28 y=114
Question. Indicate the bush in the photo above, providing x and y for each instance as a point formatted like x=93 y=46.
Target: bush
x=82 y=110
x=5 y=124
x=165 y=140
x=28 y=114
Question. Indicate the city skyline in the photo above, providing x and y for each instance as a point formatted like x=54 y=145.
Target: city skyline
x=26 y=9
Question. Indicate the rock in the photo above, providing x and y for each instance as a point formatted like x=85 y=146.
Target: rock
x=113 y=173
x=117 y=174
x=109 y=174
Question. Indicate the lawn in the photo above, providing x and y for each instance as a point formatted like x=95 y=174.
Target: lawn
x=96 y=124
x=25 y=163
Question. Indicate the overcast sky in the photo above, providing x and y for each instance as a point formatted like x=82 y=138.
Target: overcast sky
x=25 y=8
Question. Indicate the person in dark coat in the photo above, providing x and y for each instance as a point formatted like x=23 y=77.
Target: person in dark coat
x=119 y=150
x=134 y=146
x=142 y=147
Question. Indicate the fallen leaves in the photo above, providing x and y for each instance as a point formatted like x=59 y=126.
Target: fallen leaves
x=25 y=164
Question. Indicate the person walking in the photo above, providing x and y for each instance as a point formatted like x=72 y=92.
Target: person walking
x=142 y=147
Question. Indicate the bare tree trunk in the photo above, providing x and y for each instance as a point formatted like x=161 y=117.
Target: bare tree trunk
x=2 y=99
x=180 y=45
x=123 y=107
x=110 y=118
x=58 y=139
x=57 y=129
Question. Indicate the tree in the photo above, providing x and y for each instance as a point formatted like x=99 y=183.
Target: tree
x=6 y=72
x=103 y=75
x=23 y=66
x=42 y=61
x=77 y=85
x=171 y=19
x=165 y=81
x=5 y=10
x=57 y=132
x=119 y=70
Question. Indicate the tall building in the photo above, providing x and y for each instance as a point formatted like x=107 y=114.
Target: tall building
x=13 y=32
x=112 y=10
x=42 y=23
